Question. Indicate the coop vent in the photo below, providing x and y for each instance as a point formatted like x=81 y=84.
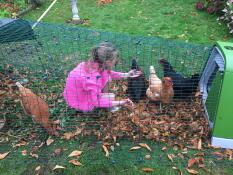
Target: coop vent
x=214 y=66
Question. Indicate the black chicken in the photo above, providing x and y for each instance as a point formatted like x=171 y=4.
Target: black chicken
x=183 y=87
x=136 y=86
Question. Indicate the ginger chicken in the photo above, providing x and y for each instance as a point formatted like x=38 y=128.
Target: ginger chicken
x=159 y=90
x=37 y=108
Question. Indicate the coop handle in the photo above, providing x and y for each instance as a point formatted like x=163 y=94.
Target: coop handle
x=42 y=16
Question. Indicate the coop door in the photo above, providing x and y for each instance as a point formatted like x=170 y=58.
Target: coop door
x=210 y=84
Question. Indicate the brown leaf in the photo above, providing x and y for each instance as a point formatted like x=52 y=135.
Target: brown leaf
x=2 y=156
x=191 y=162
x=105 y=150
x=134 y=148
x=180 y=155
x=21 y=143
x=75 y=153
x=144 y=145
x=24 y=152
x=148 y=157
x=147 y=170
x=175 y=168
x=37 y=168
x=191 y=171
x=199 y=145
x=58 y=167
x=68 y=135
x=170 y=157
x=164 y=148
x=75 y=162
x=34 y=155
x=49 y=141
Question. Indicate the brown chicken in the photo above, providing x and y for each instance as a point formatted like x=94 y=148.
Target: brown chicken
x=159 y=90
x=37 y=108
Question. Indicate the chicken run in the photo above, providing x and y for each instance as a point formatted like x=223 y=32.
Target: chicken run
x=168 y=105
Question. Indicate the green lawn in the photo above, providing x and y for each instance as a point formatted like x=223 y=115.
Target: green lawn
x=120 y=161
x=167 y=19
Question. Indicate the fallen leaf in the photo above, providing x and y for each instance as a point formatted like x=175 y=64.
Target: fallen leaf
x=144 y=145
x=34 y=155
x=75 y=153
x=21 y=143
x=164 y=148
x=134 y=148
x=170 y=157
x=2 y=156
x=58 y=167
x=191 y=171
x=49 y=141
x=147 y=170
x=199 y=145
x=37 y=168
x=75 y=162
x=148 y=157
x=24 y=152
x=68 y=135
x=105 y=150
x=175 y=168
x=191 y=162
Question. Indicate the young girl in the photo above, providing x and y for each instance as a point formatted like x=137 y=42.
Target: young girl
x=85 y=85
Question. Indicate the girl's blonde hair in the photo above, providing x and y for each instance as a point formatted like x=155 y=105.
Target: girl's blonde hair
x=103 y=52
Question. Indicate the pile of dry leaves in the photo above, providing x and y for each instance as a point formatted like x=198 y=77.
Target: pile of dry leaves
x=179 y=123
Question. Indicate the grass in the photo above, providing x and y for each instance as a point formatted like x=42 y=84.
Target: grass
x=177 y=20
x=120 y=161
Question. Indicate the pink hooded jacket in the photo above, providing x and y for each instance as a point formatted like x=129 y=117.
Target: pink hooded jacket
x=83 y=89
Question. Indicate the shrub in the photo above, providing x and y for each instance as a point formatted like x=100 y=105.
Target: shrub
x=222 y=8
x=228 y=15
x=212 y=6
x=9 y=8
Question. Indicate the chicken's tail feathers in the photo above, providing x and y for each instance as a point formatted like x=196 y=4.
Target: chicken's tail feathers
x=195 y=78
x=166 y=65
x=19 y=85
x=134 y=64
x=152 y=70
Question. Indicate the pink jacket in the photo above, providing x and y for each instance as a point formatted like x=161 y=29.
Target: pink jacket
x=83 y=89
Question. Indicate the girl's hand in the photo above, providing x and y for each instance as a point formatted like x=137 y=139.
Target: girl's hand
x=134 y=73
x=128 y=103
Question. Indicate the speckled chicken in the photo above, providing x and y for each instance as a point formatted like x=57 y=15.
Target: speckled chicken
x=37 y=108
x=159 y=90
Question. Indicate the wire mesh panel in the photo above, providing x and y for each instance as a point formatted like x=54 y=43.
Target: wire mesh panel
x=44 y=63
x=65 y=80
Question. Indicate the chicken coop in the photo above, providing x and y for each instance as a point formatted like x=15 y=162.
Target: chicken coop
x=41 y=59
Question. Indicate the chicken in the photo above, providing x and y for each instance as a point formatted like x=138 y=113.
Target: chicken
x=137 y=85
x=184 y=87
x=159 y=90
x=37 y=108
